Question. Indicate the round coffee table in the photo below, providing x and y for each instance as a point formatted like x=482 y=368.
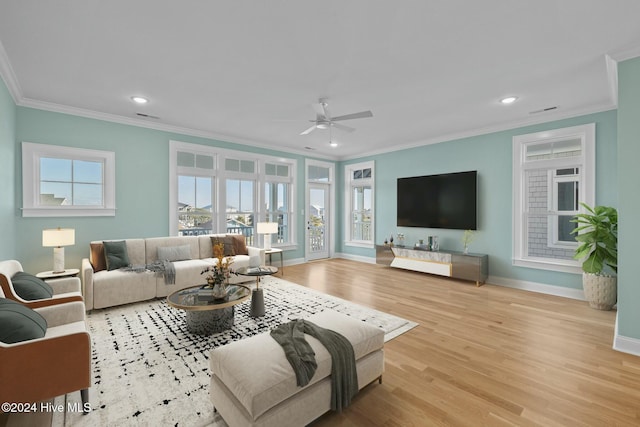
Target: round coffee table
x=204 y=314
x=257 y=298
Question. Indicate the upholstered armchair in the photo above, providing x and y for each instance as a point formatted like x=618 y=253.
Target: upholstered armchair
x=65 y=289
x=58 y=363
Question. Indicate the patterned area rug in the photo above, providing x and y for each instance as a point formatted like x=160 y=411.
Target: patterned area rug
x=148 y=370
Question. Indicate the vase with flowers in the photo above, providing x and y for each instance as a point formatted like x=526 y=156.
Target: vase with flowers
x=217 y=275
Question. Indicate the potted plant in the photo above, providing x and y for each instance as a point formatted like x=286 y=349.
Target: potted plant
x=597 y=235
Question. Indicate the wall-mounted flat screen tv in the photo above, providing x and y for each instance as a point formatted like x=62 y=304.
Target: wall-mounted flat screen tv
x=439 y=201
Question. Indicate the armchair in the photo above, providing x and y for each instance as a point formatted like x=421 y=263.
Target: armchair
x=65 y=289
x=56 y=364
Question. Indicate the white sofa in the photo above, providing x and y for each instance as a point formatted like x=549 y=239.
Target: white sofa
x=110 y=288
x=253 y=384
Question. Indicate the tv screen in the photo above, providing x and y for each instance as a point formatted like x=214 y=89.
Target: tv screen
x=438 y=201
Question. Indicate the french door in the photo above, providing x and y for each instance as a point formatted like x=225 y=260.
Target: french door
x=318 y=221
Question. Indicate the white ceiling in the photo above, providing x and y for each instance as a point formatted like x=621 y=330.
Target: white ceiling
x=247 y=71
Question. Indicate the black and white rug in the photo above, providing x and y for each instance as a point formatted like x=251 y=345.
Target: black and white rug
x=148 y=370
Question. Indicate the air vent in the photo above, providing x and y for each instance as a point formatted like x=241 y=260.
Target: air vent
x=148 y=116
x=544 y=110
x=309 y=148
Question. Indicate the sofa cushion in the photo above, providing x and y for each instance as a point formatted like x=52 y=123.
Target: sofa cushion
x=30 y=287
x=19 y=323
x=239 y=244
x=271 y=379
x=116 y=255
x=174 y=253
x=227 y=242
x=98 y=261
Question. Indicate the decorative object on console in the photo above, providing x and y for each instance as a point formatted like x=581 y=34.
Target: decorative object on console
x=58 y=238
x=267 y=229
x=467 y=238
x=400 y=239
x=433 y=244
x=597 y=233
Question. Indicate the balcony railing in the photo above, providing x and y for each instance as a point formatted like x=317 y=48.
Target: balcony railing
x=246 y=231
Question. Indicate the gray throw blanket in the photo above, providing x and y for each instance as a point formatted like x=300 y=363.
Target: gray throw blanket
x=165 y=268
x=344 y=377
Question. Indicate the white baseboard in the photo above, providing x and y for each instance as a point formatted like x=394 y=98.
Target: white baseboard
x=625 y=344
x=359 y=258
x=541 y=288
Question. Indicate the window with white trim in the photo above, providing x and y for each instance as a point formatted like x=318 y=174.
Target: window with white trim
x=553 y=172
x=213 y=190
x=277 y=196
x=359 y=203
x=62 y=181
x=196 y=192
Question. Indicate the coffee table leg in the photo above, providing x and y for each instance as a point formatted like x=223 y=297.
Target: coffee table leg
x=257 y=303
x=209 y=322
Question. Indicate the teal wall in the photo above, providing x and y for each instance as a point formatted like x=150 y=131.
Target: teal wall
x=7 y=173
x=491 y=156
x=628 y=179
x=142 y=178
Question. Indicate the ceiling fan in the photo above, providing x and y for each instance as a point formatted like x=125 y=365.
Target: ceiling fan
x=325 y=121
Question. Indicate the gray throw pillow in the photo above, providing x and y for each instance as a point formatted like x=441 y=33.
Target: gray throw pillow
x=19 y=323
x=115 y=254
x=29 y=287
x=174 y=253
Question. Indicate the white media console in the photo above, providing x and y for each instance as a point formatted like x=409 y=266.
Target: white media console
x=444 y=263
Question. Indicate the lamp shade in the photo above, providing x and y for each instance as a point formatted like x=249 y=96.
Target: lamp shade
x=267 y=227
x=56 y=237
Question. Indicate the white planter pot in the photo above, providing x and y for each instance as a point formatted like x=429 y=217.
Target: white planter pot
x=600 y=290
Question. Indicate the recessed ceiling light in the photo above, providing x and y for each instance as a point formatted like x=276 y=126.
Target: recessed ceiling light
x=509 y=100
x=333 y=143
x=139 y=99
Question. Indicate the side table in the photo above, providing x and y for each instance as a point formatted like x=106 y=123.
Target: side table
x=276 y=251
x=69 y=272
x=257 y=297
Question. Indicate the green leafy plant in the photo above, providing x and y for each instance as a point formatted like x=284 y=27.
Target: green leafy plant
x=597 y=233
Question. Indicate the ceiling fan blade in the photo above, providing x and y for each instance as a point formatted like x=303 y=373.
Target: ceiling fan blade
x=311 y=129
x=342 y=127
x=360 y=115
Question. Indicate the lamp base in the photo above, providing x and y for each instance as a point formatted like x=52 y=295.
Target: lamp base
x=58 y=259
x=267 y=241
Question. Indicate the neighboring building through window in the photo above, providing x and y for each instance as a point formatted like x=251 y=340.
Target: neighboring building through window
x=553 y=172
x=359 y=188
x=65 y=181
x=217 y=191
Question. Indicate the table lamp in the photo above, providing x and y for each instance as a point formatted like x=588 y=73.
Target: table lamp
x=267 y=228
x=58 y=238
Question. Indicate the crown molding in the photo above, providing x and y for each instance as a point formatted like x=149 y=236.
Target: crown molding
x=539 y=119
x=624 y=54
x=8 y=76
x=81 y=112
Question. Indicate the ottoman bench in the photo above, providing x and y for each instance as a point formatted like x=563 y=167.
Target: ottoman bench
x=253 y=384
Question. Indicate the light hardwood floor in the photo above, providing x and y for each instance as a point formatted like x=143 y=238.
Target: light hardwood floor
x=487 y=356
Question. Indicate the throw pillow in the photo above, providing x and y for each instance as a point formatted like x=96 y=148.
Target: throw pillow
x=174 y=253
x=239 y=244
x=115 y=254
x=227 y=241
x=29 y=287
x=19 y=323
x=97 y=257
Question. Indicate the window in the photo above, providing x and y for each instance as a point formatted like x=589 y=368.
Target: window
x=65 y=181
x=213 y=190
x=553 y=172
x=276 y=199
x=359 y=184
